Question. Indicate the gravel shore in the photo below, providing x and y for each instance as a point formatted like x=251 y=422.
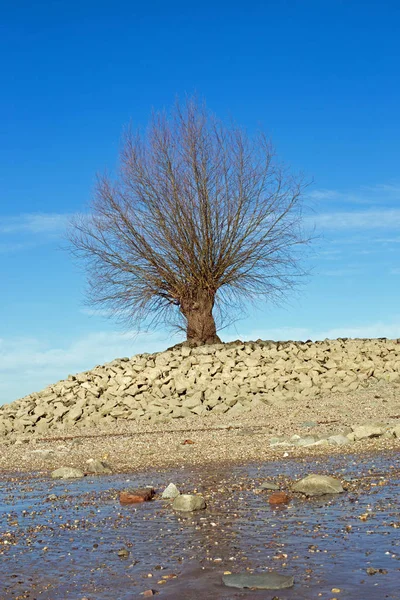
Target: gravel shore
x=215 y=439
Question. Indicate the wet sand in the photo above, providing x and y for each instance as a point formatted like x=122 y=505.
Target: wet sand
x=59 y=540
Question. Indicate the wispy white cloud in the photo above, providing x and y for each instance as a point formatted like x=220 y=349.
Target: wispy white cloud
x=103 y=312
x=386 y=240
x=358 y=220
x=395 y=271
x=331 y=252
x=10 y=248
x=379 y=195
x=325 y=194
x=344 y=272
x=34 y=223
x=386 y=188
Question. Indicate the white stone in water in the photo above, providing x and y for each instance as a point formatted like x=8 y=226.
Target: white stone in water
x=318 y=485
x=170 y=492
x=188 y=503
x=262 y=581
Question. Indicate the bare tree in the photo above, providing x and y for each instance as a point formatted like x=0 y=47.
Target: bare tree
x=199 y=218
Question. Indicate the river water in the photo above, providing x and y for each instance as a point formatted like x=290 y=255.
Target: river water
x=60 y=540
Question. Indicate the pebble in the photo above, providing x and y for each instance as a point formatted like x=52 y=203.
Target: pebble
x=278 y=498
x=269 y=486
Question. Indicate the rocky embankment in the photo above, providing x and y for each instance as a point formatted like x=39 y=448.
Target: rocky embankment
x=182 y=382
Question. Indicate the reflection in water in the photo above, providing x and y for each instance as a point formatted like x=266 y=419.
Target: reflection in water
x=68 y=547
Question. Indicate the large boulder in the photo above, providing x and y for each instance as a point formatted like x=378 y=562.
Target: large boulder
x=188 y=503
x=67 y=473
x=363 y=432
x=318 y=485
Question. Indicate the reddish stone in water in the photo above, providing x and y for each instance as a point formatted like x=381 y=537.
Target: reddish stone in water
x=278 y=498
x=136 y=496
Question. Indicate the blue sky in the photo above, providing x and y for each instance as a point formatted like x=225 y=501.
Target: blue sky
x=321 y=77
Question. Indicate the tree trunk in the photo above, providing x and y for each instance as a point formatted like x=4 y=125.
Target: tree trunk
x=200 y=324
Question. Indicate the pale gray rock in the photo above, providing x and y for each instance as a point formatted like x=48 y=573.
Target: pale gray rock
x=44 y=453
x=220 y=408
x=281 y=444
x=39 y=411
x=98 y=467
x=318 y=485
x=199 y=410
x=306 y=441
x=193 y=401
x=75 y=413
x=188 y=503
x=67 y=473
x=262 y=581
x=339 y=440
x=42 y=426
x=277 y=440
x=230 y=400
x=267 y=485
x=363 y=432
x=76 y=442
x=309 y=424
x=236 y=410
x=181 y=412
x=119 y=412
x=252 y=363
x=181 y=385
x=396 y=431
x=213 y=400
x=322 y=442
x=170 y=492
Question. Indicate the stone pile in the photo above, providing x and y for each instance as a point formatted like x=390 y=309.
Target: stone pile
x=182 y=382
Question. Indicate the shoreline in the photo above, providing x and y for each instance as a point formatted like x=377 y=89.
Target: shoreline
x=139 y=452
x=387 y=450
x=264 y=433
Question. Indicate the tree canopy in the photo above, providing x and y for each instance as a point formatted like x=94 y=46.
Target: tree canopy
x=200 y=218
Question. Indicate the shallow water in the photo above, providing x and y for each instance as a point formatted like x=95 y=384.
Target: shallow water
x=67 y=548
